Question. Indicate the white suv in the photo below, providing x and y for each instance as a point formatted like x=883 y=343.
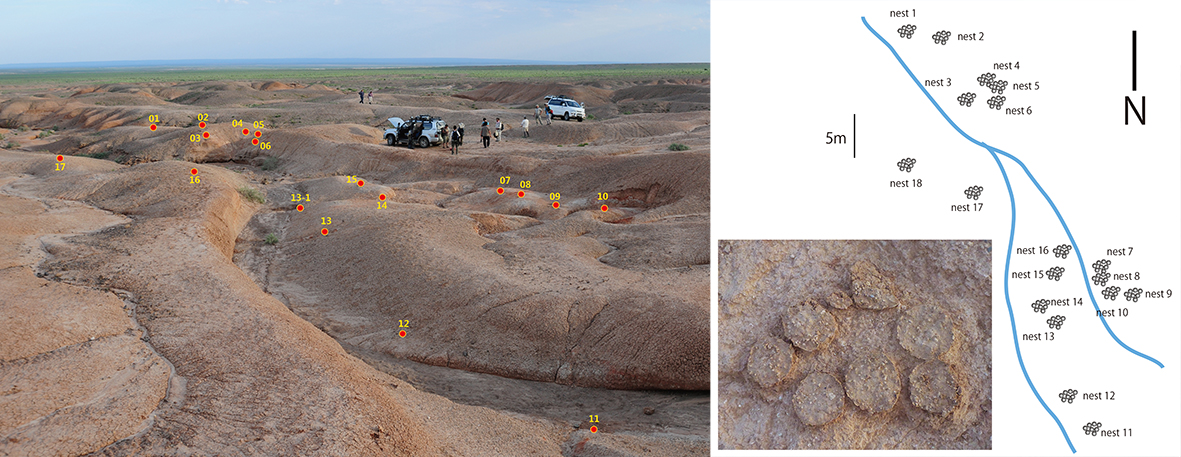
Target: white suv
x=565 y=108
x=423 y=131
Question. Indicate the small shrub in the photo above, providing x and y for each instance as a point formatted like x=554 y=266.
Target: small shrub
x=582 y=144
x=677 y=147
x=252 y=194
x=627 y=112
x=271 y=239
x=1 y=137
x=45 y=133
x=270 y=163
x=11 y=145
x=590 y=117
x=23 y=128
x=98 y=155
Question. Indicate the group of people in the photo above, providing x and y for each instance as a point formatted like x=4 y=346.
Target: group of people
x=452 y=137
x=487 y=132
x=362 y=94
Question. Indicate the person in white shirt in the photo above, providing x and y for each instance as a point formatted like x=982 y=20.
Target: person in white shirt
x=525 y=125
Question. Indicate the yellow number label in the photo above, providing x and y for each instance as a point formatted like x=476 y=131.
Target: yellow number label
x=403 y=323
x=350 y=179
x=506 y=179
x=325 y=221
x=258 y=124
x=301 y=197
x=60 y=167
x=194 y=180
x=194 y=138
x=203 y=117
x=555 y=196
x=594 y=418
x=153 y=118
x=236 y=122
x=266 y=145
x=525 y=184
x=602 y=196
x=381 y=205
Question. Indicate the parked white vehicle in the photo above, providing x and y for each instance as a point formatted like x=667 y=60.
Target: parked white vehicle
x=423 y=130
x=565 y=108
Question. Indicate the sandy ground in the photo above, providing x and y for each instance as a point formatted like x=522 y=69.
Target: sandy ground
x=886 y=360
x=195 y=337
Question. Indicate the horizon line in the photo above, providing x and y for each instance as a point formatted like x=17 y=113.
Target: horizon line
x=287 y=62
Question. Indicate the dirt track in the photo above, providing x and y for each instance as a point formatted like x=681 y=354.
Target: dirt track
x=208 y=357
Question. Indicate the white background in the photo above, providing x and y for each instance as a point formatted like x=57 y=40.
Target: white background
x=785 y=73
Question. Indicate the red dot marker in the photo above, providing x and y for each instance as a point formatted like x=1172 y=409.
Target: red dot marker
x=205 y=135
x=555 y=205
x=60 y=158
x=152 y=127
x=520 y=193
x=499 y=190
x=202 y=125
x=360 y=183
x=257 y=133
x=381 y=197
x=245 y=131
x=594 y=429
x=193 y=171
x=254 y=141
x=402 y=334
x=604 y=207
x=299 y=208
x=323 y=231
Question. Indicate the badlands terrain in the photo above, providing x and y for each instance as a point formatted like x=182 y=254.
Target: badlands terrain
x=155 y=314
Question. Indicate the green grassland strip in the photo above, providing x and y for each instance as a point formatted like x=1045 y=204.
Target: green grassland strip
x=338 y=76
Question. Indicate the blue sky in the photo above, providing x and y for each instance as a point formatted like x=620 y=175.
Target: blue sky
x=555 y=30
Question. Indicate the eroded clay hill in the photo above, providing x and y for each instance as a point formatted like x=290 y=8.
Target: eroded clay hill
x=150 y=341
x=195 y=336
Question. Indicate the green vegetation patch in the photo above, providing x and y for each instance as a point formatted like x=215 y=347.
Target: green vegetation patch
x=252 y=194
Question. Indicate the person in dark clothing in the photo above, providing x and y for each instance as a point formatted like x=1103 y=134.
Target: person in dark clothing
x=485 y=134
x=362 y=94
x=415 y=132
x=455 y=141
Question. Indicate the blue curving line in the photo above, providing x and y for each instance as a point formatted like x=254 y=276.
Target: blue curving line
x=1012 y=229
x=1078 y=253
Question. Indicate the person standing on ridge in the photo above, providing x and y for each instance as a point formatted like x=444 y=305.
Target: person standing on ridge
x=362 y=94
x=499 y=130
x=370 y=96
x=485 y=133
x=537 y=114
x=455 y=140
x=525 y=126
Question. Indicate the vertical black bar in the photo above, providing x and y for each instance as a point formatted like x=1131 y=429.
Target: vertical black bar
x=1133 y=61
x=854 y=135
